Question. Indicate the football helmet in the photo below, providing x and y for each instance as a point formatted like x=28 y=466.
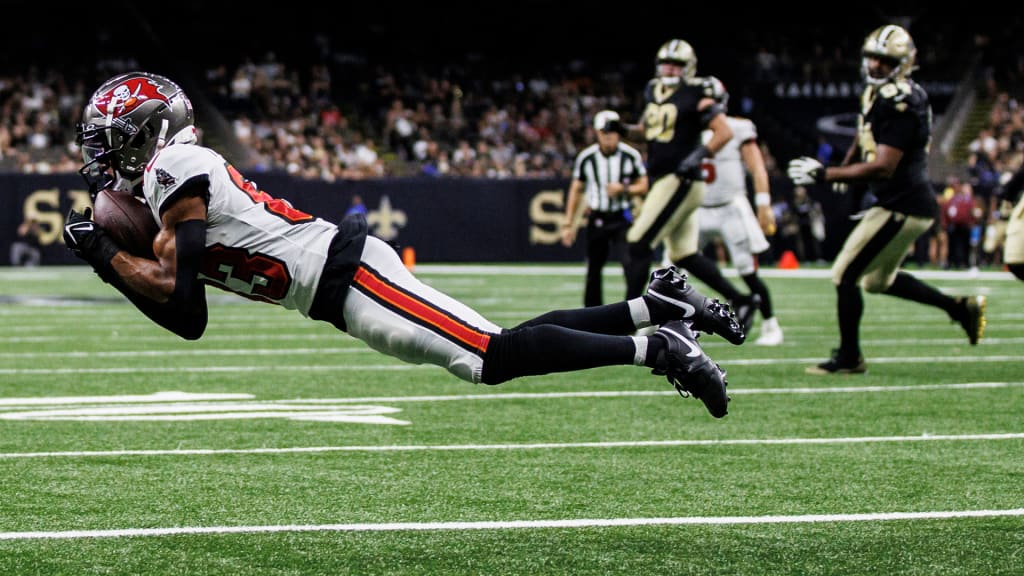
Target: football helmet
x=126 y=121
x=677 y=53
x=892 y=44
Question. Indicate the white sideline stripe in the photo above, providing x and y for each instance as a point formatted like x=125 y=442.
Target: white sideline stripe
x=517 y=524
x=535 y=446
x=350 y=367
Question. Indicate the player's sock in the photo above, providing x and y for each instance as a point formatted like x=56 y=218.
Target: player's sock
x=753 y=281
x=606 y=319
x=908 y=287
x=545 y=349
x=850 y=305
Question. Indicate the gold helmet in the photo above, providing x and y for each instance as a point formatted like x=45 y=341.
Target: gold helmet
x=679 y=53
x=893 y=44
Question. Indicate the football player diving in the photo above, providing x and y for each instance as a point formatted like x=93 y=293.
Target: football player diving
x=890 y=155
x=219 y=228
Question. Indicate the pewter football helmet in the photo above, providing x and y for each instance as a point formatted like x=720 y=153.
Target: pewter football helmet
x=126 y=121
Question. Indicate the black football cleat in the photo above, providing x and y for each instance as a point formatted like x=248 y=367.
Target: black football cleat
x=973 y=318
x=838 y=364
x=669 y=286
x=746 y=308
x=689 y=369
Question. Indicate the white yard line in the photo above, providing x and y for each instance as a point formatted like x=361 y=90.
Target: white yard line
x=352 y=367
x=516 y=524
x=525 y=446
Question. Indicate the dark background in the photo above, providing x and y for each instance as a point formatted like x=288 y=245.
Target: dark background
x=510 y=37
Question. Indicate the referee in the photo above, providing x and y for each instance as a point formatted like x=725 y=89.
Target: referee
x=607 y=175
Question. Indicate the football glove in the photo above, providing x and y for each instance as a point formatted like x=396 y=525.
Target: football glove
x=804 y=171
x=691 y=168
x=89 y=242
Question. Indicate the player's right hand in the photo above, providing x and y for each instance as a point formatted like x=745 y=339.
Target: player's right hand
x=766 y=219
x=80 y=232
x=87 y=240
x=568 y=236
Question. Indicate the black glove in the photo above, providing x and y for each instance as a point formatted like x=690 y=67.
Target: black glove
x=89 y=242
x=691 y=168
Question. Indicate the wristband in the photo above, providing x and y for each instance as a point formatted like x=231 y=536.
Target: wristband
x=762 y=199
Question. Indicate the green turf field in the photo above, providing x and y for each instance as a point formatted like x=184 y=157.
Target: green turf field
x=277 y=445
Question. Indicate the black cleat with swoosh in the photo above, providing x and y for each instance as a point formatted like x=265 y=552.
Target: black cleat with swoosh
x=669 y=287
x=689 y=369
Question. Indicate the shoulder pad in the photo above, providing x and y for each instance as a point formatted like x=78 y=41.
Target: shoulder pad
x=898 y=90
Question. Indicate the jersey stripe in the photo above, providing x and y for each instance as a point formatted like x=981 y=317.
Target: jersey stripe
x=411 y=306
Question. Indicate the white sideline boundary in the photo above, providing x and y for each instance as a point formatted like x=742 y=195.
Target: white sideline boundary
x=514 y=524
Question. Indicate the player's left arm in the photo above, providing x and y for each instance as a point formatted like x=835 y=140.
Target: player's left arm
x=713 y=117
x=750 y=152
x=881 y=167
x=168 y=290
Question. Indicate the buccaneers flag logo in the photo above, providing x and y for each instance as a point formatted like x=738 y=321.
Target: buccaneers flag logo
x=127 y=96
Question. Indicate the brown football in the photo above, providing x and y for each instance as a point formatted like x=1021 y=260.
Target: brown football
x=128 y=221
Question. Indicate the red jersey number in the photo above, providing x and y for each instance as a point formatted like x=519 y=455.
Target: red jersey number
x=273 y=205
x=709 y=172
x=255 y=276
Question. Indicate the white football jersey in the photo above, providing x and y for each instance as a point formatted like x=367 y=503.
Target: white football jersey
x=727 y=177
x=257 y=246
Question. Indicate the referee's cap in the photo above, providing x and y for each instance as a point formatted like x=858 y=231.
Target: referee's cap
x=603 y=118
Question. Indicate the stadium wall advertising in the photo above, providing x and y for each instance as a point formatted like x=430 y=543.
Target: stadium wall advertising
x=444 y=220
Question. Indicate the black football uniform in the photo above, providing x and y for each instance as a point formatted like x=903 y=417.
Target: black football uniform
x=896 y=114
x=673 y=128
x=672 y=123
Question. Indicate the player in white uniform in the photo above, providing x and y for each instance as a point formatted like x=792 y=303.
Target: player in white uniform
x=219 y=228
x=726 y=213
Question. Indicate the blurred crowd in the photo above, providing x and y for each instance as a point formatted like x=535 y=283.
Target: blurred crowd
x=347 y=118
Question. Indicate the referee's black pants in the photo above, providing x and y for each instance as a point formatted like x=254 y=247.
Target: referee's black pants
x=606 y=234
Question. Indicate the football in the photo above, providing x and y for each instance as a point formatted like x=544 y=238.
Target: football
x=127 y=220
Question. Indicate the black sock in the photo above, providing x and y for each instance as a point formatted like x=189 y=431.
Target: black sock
x=705 y=270
x=639 y=270
x=606 y=319
x=753 y=282
x=910 y=288
x=850 y=305
x=545 y=349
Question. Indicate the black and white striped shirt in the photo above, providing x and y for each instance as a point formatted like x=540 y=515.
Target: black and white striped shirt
x=596 y=171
